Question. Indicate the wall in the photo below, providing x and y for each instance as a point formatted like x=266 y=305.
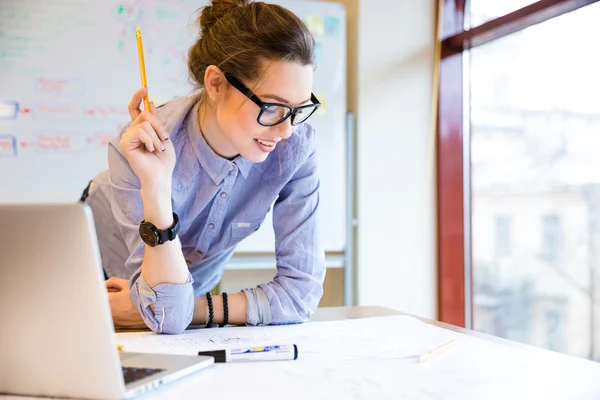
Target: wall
x=391 y=60
x=390 y=66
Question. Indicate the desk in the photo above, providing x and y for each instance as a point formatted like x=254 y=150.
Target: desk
x=539 y=374
x=342 y=313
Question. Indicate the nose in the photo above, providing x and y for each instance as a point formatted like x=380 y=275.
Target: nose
x=285 y=129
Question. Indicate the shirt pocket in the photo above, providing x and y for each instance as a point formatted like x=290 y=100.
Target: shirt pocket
x=243 y=229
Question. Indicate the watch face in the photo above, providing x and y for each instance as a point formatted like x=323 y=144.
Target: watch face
x=148 y=235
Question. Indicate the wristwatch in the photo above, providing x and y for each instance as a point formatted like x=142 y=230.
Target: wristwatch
x=153 y=236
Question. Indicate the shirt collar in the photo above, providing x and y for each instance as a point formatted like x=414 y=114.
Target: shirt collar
x=215 y=166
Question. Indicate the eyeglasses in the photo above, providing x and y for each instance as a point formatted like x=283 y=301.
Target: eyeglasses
x=272 y=114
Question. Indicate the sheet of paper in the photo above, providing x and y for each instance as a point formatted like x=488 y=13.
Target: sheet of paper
x=366 y=359
x=377 y=338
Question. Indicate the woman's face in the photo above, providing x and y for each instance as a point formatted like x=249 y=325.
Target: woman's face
x=283 y=82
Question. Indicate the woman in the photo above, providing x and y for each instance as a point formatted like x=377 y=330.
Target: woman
x=201 y=173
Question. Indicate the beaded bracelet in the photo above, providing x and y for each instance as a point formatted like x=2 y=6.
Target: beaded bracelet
x=225 y=310
x=211 y=313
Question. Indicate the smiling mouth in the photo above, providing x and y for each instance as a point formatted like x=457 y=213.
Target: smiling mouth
x=266 y=142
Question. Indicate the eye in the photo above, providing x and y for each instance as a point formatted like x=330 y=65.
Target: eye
x=271 y=110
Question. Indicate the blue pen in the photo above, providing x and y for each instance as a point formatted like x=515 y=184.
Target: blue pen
x=249 y=354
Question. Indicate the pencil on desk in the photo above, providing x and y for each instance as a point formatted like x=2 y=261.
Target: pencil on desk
x=138 y=37
x=436 y=351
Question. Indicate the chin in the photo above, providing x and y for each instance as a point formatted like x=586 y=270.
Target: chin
x=256 y=153
x=255 y=157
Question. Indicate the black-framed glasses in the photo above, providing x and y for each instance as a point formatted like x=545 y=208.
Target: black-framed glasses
x=272 y=114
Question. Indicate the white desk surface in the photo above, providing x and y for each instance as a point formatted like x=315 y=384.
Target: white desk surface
x=540 y=373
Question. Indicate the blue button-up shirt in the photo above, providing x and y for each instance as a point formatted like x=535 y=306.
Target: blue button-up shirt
x=219 y=202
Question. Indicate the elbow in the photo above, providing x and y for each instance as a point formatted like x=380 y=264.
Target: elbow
x=307 y=310
x=311 y=302
x=175 y=313
x=297 y=306
x=172 y=320
x=175 y=328
x=300 y=318
x=304 y=310
x=167 y=308
x=300 y=314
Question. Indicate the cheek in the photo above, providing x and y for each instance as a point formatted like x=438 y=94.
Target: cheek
x=244 y=123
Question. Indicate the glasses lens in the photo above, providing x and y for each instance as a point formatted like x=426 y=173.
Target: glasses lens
x=272 y=115
x=302 y=114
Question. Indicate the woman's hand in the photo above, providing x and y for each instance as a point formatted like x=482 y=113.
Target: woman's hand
x=146 y=145
x=124 y=313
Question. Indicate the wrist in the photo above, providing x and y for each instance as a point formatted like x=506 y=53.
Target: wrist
x=157 y=207
x=200 y=315
x=156 y=188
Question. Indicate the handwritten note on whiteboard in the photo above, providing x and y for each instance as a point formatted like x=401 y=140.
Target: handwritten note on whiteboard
x=68 y=69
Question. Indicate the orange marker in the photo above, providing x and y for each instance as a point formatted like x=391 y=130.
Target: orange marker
x=138 y=37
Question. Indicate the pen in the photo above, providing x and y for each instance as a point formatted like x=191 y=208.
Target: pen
x=138 y=37
x=244 y=354
x=436 y=351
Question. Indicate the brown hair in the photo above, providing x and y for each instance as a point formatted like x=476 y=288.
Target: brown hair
x=238 y=35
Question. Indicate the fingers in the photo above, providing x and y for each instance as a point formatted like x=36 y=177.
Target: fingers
x=149 y=137
x=140 y=136
x=116 y=283
x=134 y=105
x=146 y=129
x=154 y=121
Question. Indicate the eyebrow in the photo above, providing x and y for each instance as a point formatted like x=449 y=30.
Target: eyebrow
x=281 y=99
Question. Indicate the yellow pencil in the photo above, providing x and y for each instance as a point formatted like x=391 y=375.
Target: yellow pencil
x=436 y=351
x=138 y=36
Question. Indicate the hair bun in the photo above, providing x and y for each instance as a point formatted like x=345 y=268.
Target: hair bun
x=217 y=9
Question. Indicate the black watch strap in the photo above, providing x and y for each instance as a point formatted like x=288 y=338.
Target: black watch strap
x=153 y=236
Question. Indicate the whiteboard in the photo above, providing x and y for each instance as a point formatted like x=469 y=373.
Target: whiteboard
x=68 y=69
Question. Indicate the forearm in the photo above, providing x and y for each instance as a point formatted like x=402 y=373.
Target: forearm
x=236 y=305
x=164 y=263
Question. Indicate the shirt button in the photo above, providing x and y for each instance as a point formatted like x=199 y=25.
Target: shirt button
x=223 y=195
x=188 y=262
x=199 y=252
x=211 y=226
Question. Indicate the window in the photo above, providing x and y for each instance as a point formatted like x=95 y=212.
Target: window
x=551 y=239
x=519 y=105
x=534 y=141
x=554 y=326
x=502 y=243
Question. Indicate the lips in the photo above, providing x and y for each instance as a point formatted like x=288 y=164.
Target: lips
x=265 y=145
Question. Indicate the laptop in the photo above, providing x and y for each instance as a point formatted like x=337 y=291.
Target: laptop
x=57 y=337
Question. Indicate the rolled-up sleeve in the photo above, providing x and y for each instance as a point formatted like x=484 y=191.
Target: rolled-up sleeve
x=296 y=290
x=173 y=303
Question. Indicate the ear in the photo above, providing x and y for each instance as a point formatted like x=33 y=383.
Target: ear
x=214 y=81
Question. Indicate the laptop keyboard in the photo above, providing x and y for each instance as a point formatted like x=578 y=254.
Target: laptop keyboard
x=131 y=374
